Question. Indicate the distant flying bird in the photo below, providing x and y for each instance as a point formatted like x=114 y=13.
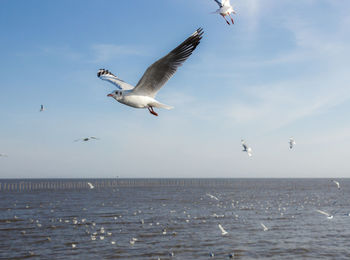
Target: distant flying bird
x=336 y=183
x=3 y=155
x=246 y=148
x=90 y=185
x=223 y=231
x=225 y=9
x=264 y=227
x=329 y=216
x=212 y=196
x=41 y=108
x=86 y=139
x=291 y=142
x=156 y=75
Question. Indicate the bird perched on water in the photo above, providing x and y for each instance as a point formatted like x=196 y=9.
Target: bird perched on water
x=225 y=9
x=336 y=183
x=156 y=75
x=246 y=149
x=86 y=139
x=291 y=142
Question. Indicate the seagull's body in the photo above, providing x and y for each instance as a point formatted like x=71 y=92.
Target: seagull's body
x=90 y=185
x=225 y=8
x=41 y=108
x=246 y=148
x=329 y=216
x=291 y=142
x=3 y=155
x=223 y=231
x=336 y=183
x=86 y=139
x=156 y=75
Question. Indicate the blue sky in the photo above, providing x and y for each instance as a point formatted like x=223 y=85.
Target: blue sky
x=282 y=70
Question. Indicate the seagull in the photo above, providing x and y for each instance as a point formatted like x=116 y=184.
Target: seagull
x=225 y=9
x=329 y=216
x=156 y=75
x=133 y=240
x=336 y=183
x=90 y=185
x=86 y=139
x=291 y=142
x=3 y=155
x=41 y=108
x=264 y=227
x=212 y=196
x=223 y=231
x=246 y=148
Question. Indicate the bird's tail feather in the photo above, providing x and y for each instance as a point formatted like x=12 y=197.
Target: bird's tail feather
x=161 y=105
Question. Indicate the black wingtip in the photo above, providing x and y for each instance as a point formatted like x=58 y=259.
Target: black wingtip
x=100 y=72
x=104 y=72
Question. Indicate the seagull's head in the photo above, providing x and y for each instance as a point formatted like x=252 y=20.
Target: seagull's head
x=117 y=94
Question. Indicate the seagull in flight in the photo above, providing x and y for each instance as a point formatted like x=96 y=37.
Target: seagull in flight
x=336 y=183
x=155 y=77
x=246 y=148
x=291 y=142
x=223 y=231
x=3 y=155
x=212 y=196
x=90 y=185
x=329 y=216
x=225 y=9
x=264 y=227
x=41 y=108
x=86 y=139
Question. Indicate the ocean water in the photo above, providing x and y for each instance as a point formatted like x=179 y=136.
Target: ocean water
x=179 y=222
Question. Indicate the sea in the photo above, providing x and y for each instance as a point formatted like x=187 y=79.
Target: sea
x=262 y=219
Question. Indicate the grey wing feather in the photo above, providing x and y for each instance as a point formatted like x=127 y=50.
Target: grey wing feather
x=163 y=69
x=219 y=3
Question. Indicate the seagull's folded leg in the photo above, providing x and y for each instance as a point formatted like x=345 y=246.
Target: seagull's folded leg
x=225 y=19
x=150 y=109
x=231 y=19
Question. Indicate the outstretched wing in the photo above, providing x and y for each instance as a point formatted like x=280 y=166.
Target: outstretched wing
x=244 y=146
x=225 y=3
x=218 y=2
x=108 y=76
x=163 y=69
x=324 y=213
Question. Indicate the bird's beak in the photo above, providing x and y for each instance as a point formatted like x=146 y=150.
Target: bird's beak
x=109 y=95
